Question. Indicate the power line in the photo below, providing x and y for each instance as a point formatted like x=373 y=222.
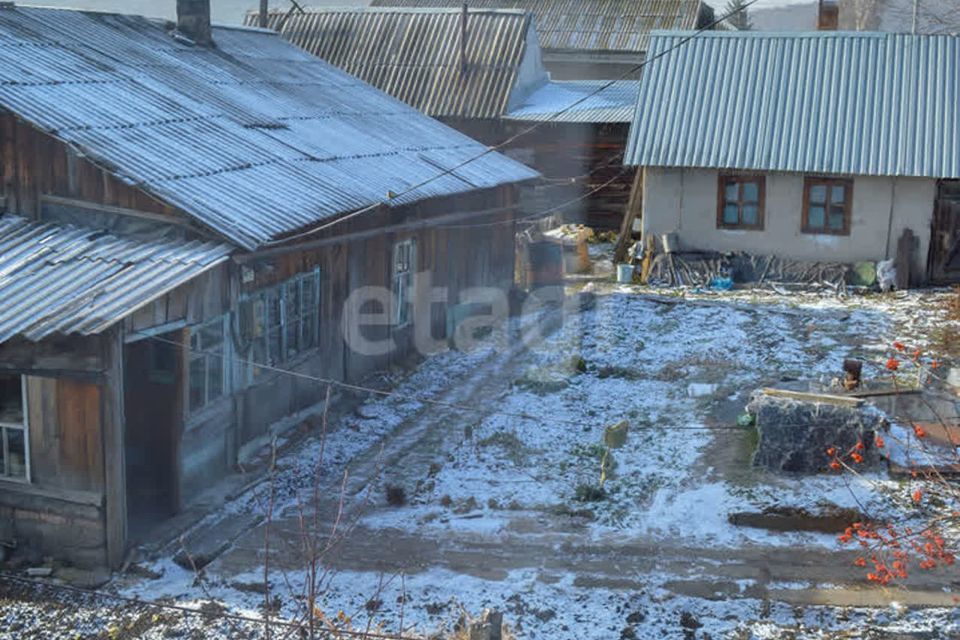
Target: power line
x=520 y=134
x=430 y=401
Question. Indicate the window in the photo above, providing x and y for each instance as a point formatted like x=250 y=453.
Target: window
x=404 y=265
x=827 y=205
x=740 y=202
x=14 y=448
x=284 y=321
x=206 y=363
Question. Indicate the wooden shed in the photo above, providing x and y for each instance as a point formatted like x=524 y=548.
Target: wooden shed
x=167 y=259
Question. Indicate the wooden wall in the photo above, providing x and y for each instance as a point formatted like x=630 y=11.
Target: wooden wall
x=63 y=511
x=575 y=159
x=76 y=506
x=34 y=164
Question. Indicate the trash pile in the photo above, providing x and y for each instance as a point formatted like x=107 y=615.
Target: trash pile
x=721 y=271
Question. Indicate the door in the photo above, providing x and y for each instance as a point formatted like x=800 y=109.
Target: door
x=944 y=259
x=152 y=404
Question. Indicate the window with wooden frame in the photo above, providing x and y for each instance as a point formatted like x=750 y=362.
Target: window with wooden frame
x=404 y=265
x=14 y=444
x=740 y=202
x=207 y=363
x=827 y=205
x=283 y=321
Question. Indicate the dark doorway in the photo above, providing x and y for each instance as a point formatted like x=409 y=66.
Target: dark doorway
x=152 y=406
x=944 y=260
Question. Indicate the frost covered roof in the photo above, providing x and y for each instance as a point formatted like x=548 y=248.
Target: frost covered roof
x=833 y=102
x=588 y=101
x=255 y=138
x=66 y=279
x=591 y=25
x=415 y=54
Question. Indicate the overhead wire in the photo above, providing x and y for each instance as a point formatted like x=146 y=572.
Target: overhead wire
x=526 y=131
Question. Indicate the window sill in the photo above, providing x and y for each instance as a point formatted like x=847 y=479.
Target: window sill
x=727 y=227
x=820 y=232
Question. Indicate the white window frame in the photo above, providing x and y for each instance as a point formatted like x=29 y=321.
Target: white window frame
x=403 y=267
x=201 y=352
x=25 y=428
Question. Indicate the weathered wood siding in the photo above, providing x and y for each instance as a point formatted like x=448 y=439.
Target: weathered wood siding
x=62 y=511
x=75 y=508
x=582 y=164
x=36 y=164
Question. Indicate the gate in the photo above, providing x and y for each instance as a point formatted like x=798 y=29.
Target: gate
x=944 y=261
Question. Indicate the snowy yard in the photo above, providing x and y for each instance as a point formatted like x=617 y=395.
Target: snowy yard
x=500 y=476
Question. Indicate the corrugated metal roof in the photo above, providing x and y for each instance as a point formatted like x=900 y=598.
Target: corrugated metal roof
x=580 y=101
x=593 y=25
x=255 y=138
x=415 y=54
x=68 y=279
x=831 y=102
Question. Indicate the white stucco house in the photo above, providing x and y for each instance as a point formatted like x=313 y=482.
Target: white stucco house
x=820 y=146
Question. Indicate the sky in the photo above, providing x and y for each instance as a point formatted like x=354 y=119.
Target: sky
x=232 y=11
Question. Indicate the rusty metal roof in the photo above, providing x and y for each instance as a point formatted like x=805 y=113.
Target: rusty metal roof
x=590 y=25
x=66 y=279
x=416 y=56
x=586 y=101
x=855 y=103
x=254 y=138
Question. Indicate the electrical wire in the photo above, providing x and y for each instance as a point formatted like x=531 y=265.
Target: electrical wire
x=518 y=135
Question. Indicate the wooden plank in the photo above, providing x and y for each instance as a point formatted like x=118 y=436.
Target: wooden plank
x=78 y=420
x=904 y=260
x=625 y=239
x=826 y=398
x=77 y=356
x=115 y=513
x=31 y=496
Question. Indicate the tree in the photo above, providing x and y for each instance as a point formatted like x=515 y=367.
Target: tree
x=737 y=15
x=932 y=16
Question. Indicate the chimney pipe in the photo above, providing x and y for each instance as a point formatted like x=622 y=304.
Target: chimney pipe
x=193 y=21
x=828 y=15
x=264 y=13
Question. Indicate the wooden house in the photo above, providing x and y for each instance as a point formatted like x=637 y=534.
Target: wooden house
x=187 y=212
x=481 y=71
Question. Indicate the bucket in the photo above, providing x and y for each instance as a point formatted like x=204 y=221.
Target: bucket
x=624 y=273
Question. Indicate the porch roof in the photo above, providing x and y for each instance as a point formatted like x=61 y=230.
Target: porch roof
x=63 y=279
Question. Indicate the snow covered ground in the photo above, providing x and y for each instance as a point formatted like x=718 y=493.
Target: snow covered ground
x=501 y=508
